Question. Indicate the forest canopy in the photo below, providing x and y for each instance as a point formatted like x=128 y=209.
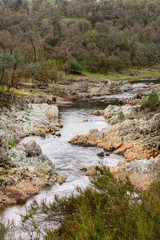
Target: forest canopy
x=40 y=37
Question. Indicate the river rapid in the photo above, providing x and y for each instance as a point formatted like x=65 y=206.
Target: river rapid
x=68 y=159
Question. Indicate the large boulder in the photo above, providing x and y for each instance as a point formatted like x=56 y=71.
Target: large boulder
x=33 y=149
x=91 y=171
x=52 y=112
x=113 y=110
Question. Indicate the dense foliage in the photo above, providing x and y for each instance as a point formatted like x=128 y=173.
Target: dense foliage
x=110 y=210
x=76 y=35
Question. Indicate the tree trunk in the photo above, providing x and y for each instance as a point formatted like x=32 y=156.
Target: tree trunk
x=34 y=50
x=2 y=75
x=14 y=69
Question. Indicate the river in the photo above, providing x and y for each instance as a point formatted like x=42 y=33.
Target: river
x=68 y=159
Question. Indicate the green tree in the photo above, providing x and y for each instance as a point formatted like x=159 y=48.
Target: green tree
x=113 y=36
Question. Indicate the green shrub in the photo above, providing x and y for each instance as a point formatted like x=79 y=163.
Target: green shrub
x=143 y=104
x=76 y=68
x=152 y=101
x=12 y=144
x=121 y=115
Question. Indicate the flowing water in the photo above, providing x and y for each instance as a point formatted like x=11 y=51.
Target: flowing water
x=137 y=87
x=69 y=159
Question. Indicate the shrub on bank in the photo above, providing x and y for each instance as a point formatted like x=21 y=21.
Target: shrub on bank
x=110 y=210
x=152 y=101
x=121 y=115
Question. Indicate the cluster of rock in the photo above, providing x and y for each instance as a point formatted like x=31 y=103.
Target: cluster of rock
x=136 y=137
x=41 y=98
x=24 y=170
x=87 y=88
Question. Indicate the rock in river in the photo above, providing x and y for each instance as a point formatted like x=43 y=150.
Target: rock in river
x=61 y=179
x=32 y=149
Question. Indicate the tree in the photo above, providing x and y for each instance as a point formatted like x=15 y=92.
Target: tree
x=6 y=61
x=114 y=63
x=32 y=69
x=113 y=36
x=55 y=21
x=18 y=62
x=47 y=73
x=3 y=4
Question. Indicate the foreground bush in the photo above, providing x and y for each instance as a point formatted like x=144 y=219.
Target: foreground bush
x=110 y=210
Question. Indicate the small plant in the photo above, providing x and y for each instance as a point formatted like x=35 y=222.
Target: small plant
x=12 y=144
x=2 y=90
x=121 y=115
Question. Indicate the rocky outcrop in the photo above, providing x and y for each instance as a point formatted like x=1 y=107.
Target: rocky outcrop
x=35 y=120
x=132 y=138
x=136 y=137
x=30 y=172
x=24 y=169
x=114 y=114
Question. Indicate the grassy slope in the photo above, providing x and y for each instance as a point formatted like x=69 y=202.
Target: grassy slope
x=138 y=74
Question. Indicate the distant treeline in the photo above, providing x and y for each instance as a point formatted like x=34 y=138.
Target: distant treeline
x=76 y=35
